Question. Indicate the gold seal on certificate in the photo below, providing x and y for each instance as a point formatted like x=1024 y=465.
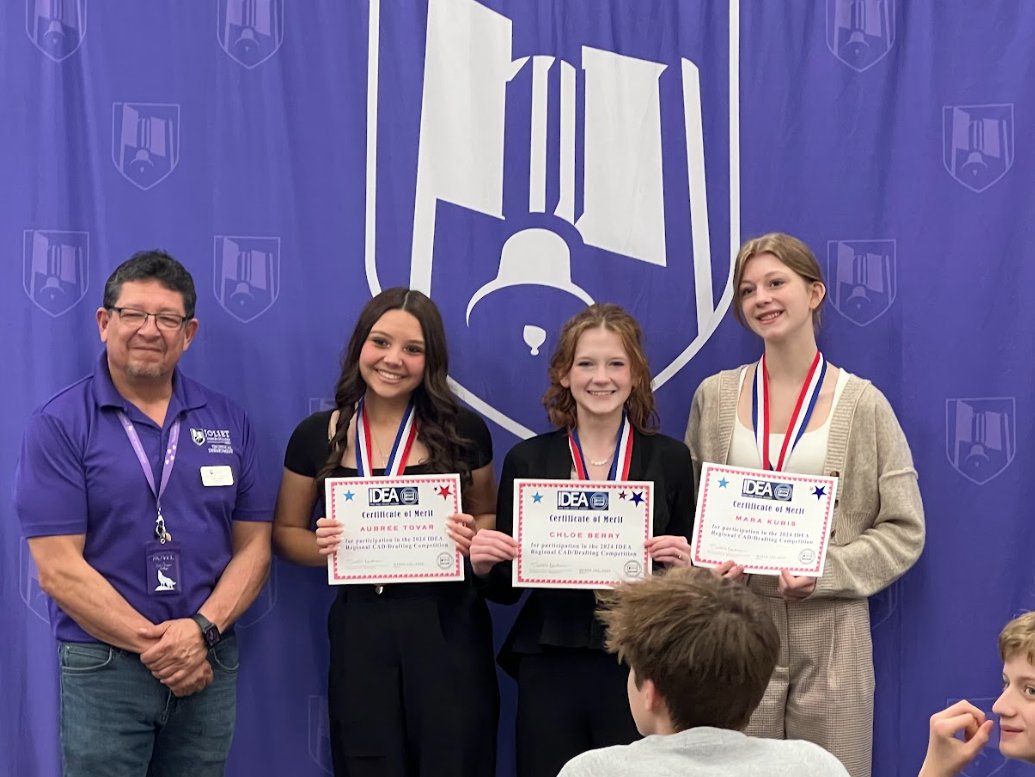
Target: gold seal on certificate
x=763 y=520
x=395 y=529
x=581 y=533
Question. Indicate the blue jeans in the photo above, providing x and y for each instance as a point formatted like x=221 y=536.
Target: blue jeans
x=119 y=721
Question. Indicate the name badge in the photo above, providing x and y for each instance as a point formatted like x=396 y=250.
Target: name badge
x=163 y=569
x=217 y=476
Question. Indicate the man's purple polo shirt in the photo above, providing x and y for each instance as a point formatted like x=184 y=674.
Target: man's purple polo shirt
x=78 y=474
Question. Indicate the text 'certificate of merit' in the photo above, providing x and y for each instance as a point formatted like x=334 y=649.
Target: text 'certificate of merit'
x=763 y=520
x=395 y=529
x=581 y=533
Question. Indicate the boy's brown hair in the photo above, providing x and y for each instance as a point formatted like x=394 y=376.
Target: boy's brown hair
x=706 y=643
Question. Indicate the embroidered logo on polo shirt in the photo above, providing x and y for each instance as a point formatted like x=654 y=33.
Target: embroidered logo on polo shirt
x=218 y=440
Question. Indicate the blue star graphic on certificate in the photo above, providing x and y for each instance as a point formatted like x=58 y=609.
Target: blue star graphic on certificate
x=537 y=498
x=348 y=496
x=637 y=497
x=819 y=491
x=723 y=482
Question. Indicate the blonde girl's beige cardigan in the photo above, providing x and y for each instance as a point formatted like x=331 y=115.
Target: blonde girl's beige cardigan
x=878 y=528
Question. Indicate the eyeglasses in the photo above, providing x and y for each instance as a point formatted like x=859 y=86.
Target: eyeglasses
x=137 y=318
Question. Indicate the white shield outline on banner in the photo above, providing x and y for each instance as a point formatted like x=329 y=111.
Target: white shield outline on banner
x=65 y=17
x=709 y=313
x=992 y=425
x=320 y=733
x=33 y=596
x=868 y=269
x=246 y=274
x=246 y=48
x=152 y=132
x=867 y=28
x=978 y=143
x=55 y=271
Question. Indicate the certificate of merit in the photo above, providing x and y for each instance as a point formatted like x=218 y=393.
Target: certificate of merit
x=395 y=529
x=581 y=533
x=763 y=520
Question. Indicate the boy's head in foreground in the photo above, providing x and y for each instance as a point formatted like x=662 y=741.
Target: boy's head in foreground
x=962 y=730
x=1016 y=705
x=700 y=650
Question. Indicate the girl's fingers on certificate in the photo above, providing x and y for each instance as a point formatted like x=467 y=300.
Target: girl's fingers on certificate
x=671 y=550
x=462 y=530
x=328 y=535
x=729 y=569
x=489 y=547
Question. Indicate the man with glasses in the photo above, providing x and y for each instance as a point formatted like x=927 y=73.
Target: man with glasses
x=139 y=492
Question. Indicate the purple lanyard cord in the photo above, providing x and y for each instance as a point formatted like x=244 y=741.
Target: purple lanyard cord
x=170 y=459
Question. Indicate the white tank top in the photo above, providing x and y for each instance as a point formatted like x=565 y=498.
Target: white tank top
x=809 y=454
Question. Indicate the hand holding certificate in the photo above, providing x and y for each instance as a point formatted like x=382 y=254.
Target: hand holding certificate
x=394 y=529
x=581 y=534
x=765 y=521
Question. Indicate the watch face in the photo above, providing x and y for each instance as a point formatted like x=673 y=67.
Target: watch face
x=211 y=636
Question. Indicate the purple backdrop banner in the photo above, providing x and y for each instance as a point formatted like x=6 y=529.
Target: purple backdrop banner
x=517 y=159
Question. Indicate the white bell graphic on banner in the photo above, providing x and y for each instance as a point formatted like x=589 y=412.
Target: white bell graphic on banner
x=51 y=292
x=55 y=34
x=532 y=257
x=142 y=160
x=242 y=295
x=976 y=457
x=975 y=159
x=246 y=44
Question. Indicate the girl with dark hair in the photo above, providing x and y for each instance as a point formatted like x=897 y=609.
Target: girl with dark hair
x=813 y=418
x=412 y=687
x=571 y=693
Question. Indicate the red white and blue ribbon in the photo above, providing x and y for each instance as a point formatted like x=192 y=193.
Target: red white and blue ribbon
x=620 y=461
x=799 y=417
x=404 y=439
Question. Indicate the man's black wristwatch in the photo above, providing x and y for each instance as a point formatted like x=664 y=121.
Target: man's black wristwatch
x=208 y=629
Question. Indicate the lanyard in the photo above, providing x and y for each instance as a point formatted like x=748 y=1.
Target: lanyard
x=170 y=459
x=404 y=439
x=803 y=408
x=620 y=460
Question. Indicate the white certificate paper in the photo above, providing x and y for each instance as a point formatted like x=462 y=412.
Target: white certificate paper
x=581 y=533
x=395 y=529
x=763 y=520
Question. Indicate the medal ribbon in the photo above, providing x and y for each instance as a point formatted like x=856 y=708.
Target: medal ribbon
x=620 y=461
x=170 y=459
x=799 y=417
x=404 y=439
